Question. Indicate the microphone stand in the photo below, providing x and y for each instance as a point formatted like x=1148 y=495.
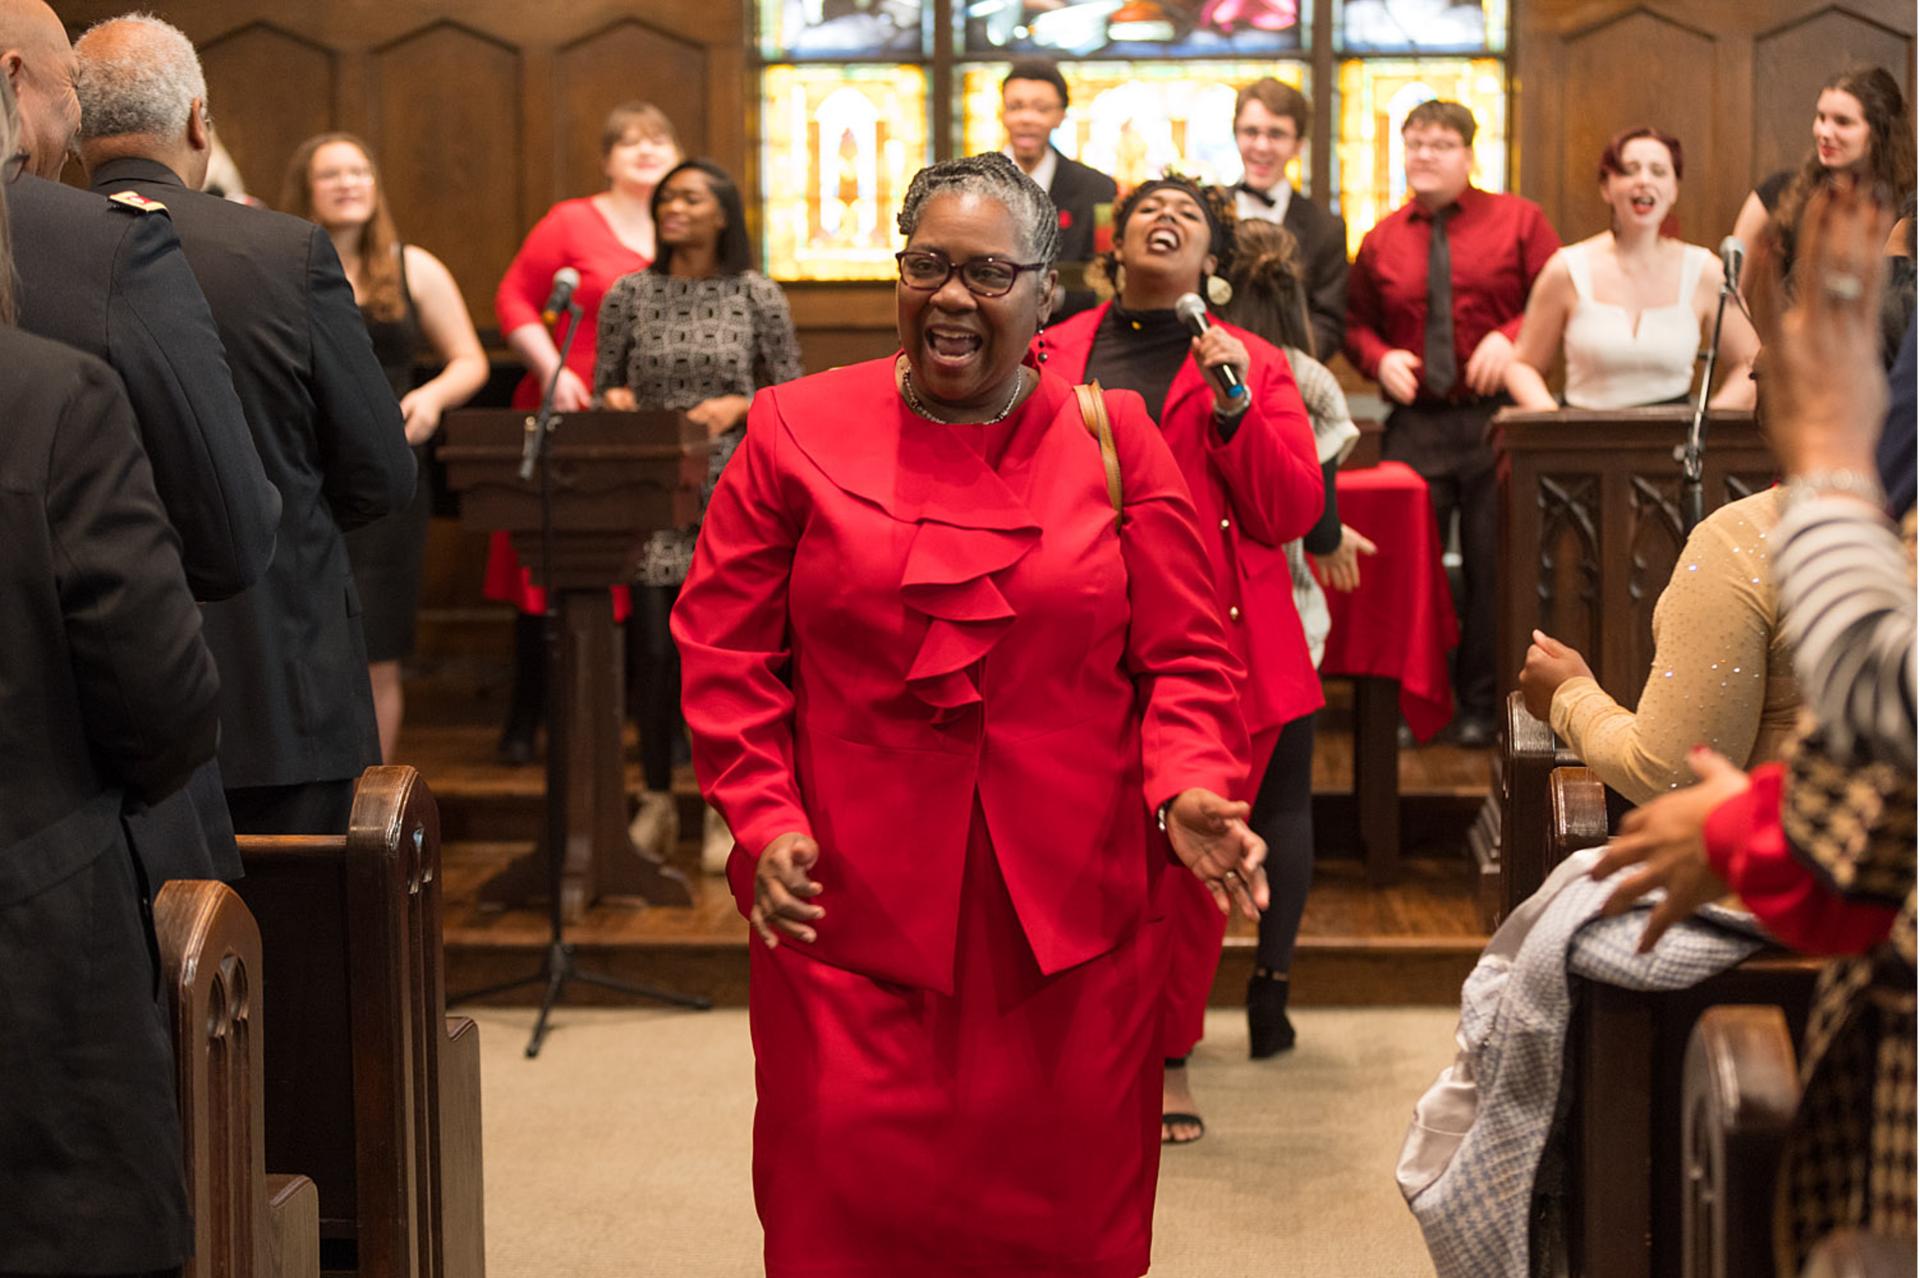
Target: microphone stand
x=1692 y=455
x=559 y=967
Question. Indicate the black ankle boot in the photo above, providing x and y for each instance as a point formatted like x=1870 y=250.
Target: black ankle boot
x=528 y=703
x=1269 y=1032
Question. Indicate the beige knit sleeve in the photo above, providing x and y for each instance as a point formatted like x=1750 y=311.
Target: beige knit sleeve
x=1711 y=632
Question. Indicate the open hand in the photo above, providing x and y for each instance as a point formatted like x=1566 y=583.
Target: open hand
x=420 y=409
x=1211 y=838
x=783 y=890
x=1665 y=838
x=570 y=394
x=1550 y=663
x=1487 y=366
x=620 y=399
x=719 y=415
x=1341 y=569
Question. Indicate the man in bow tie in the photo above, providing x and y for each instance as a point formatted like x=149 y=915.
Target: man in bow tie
x=1033 y=103
x=1270 y=122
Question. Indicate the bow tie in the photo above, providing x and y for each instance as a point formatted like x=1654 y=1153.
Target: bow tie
x=1259 y=195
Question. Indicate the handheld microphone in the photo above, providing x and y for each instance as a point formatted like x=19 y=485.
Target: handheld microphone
x=1733 y=256
x=565 y=280
x=1193 y=313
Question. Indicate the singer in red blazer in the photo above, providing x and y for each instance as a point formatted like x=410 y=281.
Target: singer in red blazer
x=1254 y=491
x=929 y=649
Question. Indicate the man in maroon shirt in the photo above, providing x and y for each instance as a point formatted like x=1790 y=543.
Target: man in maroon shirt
x=1468 y=258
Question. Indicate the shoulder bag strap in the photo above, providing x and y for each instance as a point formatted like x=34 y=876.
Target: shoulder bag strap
x=1093 y=412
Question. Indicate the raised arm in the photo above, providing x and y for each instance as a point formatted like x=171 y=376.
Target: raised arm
x=1542 y=329
x=1269 y=463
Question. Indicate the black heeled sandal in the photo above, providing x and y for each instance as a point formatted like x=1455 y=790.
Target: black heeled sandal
x=1177 y=1118
x=1269 y=1032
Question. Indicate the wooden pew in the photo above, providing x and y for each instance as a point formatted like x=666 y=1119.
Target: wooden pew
x=1510 y=839
x=1742 y=1086
x=370 y=1086
x=245 y=1222
x=1624 y=1168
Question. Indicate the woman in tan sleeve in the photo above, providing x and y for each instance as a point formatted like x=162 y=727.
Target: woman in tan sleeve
x=1722 y=674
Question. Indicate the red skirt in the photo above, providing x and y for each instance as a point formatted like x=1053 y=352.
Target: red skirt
x=1011 y=1129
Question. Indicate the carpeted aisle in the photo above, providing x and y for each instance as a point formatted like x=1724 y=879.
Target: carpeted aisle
x=624 y=1150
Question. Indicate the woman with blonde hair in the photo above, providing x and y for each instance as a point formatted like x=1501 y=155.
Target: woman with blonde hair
x=412 y=305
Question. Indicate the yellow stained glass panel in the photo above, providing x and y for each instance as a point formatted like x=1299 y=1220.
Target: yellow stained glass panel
x=838 y=146
x=1135 y=120
x=1374 y=97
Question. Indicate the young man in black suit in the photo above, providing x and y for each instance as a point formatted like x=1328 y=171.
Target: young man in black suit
x=1270 y=122
x=1033 y=102
x=296 y=711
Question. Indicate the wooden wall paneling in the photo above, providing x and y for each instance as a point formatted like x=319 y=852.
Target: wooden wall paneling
x=1655 y=71
x=624 y=62
x=730 y=91
x=1790 y=63
x=269 y=90
x=447 y=126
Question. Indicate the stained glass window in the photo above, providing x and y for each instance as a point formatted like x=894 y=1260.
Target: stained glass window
x=1130 y=28
x=1374 y=98
x=1420 y=26
x=1135 y=120
x=841 y=28
x=838 y=146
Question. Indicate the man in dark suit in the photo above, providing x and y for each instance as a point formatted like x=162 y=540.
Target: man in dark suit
x=1270 y=121
x=296 y=712
x=1033 y=102
x=109 y=279
x=107 y=696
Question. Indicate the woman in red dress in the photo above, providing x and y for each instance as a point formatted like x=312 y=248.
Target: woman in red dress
x=939 y=693
x=602 y=237
x=1256 y=479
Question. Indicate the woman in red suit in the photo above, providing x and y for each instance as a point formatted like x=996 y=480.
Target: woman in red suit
x=939 y=693
x=1251 y=463
x=602 y=237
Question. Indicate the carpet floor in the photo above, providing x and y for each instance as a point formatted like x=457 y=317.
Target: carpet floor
x=625 y=1148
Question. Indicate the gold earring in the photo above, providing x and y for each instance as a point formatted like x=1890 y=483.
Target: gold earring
x=1219 y=292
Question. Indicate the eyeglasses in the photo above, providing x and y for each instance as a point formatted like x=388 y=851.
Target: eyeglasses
x=983 y=276
x=1433 y=148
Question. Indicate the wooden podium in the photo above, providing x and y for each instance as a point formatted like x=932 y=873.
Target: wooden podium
x=1590 y=530
x=615 y=478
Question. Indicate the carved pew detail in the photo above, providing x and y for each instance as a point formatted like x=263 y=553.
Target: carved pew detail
x=245 y=1222
x=1740 y=1092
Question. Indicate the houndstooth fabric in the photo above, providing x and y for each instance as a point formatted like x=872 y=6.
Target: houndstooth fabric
x=1477 y=1216
x=1849 y=1161
x=1851 y=821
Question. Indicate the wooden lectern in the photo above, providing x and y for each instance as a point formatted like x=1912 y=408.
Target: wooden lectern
x=616 y=478
x=1590 y=529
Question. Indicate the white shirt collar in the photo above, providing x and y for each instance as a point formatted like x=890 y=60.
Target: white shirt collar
x=1247 y=206
x=1049 y=164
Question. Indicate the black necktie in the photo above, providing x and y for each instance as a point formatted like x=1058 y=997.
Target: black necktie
x=1441 y=365
x=1259 y=195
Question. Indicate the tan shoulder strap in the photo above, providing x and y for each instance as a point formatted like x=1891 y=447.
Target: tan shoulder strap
x=1093 y=412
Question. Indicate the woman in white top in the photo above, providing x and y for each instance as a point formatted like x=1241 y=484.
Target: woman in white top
x=1631 y=306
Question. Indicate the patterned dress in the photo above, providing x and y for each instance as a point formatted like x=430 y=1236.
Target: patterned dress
x=676 y=342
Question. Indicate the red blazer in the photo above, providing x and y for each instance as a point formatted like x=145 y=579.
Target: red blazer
x=880 y=631
x=1254 y=494
x=573 y=233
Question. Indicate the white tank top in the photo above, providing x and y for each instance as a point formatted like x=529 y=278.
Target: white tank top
x=1609 y=364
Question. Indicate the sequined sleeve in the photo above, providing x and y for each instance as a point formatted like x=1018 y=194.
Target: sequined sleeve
x=1713 y=631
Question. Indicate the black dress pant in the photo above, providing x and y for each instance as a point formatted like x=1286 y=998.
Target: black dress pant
x=1447 y=445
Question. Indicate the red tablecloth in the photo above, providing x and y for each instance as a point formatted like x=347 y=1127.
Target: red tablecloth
x=1399 y=624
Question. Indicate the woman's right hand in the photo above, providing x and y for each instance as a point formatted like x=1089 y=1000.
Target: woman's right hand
x=782 y=891
x=570 y=394
x=1341 y=569
x=620 y=398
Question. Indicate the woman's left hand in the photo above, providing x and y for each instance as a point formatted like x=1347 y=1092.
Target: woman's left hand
x=420 y=409
x=1221 y=347
x=1665 y=837
x=1211 y=838
x=719 y=414
x=1550 y=663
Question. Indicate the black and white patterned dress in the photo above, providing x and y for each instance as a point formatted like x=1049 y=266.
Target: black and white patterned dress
x=676 y=342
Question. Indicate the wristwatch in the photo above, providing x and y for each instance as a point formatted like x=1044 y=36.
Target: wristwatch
x=1861 y=485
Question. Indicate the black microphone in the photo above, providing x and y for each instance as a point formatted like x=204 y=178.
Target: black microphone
x=1733 y=256
x=565 y=280
x=1193 y=313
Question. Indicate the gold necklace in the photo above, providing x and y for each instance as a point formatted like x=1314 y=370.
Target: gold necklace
x=914 y=402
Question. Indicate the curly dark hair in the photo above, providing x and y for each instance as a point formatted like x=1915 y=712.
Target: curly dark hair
x=1214 y=202
x=991 y=176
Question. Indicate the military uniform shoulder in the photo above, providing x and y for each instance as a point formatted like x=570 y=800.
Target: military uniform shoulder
x=132 y=201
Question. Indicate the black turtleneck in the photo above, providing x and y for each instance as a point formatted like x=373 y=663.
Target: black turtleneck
x=1139 y=351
